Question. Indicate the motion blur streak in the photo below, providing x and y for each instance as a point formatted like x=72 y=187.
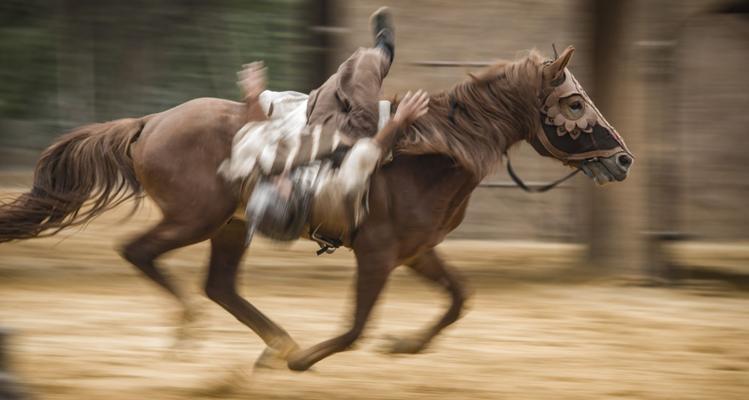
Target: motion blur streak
x=636 y=290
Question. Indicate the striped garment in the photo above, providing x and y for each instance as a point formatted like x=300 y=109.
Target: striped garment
x=284 y=141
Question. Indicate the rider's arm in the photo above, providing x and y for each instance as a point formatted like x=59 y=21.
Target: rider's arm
x=410 y=108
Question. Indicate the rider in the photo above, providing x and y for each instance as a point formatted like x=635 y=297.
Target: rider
x=350 y=95
x=344 y=111
x=348 y=100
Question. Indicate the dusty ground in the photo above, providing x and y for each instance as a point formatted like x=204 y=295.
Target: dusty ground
x=87 y=327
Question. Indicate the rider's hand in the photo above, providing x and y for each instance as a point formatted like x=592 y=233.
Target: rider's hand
x=413 y=106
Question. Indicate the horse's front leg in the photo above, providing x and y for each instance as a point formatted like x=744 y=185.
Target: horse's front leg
x=227 y=248
x=373 y=268
x=431 y=267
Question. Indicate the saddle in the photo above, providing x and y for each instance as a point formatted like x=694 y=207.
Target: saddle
x=310 y=202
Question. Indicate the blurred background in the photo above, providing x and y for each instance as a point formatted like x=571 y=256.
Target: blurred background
x=635 y=290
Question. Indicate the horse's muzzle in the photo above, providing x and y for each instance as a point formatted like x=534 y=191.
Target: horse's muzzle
x=608 y=169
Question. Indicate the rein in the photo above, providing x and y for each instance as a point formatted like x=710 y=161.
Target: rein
x=536 y=189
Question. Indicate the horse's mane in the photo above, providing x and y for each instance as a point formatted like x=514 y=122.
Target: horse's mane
x=477 y=120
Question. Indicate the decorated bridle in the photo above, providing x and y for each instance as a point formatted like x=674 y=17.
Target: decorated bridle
x=572 y=129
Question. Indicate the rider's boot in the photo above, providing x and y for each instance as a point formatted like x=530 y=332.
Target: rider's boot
x=384 y=31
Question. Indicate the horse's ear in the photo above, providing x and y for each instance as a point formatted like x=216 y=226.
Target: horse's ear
x=555 y=69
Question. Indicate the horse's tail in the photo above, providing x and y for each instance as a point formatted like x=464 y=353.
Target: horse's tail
x=91 y=162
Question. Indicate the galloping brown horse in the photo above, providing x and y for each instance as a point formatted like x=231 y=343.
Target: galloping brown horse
x=415 y=200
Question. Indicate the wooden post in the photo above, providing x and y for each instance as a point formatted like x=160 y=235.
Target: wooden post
x=322 y=41
x=615 y=213
x=656 y=52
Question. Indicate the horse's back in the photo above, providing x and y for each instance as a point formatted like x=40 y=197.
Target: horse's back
x=197 y=116
x=178 y=152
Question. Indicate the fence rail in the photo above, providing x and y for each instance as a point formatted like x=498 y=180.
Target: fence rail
x=443 y=63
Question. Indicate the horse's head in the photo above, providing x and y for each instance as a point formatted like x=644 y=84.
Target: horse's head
x=572 y=129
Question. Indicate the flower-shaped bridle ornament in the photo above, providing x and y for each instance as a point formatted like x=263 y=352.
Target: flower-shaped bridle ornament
x=569 y=108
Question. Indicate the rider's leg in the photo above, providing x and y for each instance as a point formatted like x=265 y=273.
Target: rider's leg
x=252 y=82
x=351 y=95
x=359 y=88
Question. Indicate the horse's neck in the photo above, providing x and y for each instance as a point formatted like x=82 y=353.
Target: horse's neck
x=475 y=122
x=481 y=142
x=506 y=125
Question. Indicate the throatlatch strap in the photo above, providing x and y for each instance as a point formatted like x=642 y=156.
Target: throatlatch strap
x=536 y=189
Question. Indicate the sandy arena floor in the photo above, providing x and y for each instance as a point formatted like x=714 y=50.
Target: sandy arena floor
x=86 y=326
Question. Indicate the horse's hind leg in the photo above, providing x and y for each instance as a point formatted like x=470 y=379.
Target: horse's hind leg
x=167 y=235
x=433 y=268
x=227 y=248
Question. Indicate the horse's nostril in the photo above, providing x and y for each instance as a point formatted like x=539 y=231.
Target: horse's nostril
x=624 y=160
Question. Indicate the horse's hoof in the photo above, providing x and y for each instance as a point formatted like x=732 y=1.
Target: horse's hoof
x=190 y=326
x=298 y=365
x=270 y=359
x=298 y=362
x=407 y=345
x=185 y=341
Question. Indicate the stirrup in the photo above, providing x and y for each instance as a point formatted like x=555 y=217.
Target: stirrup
x=327 y=245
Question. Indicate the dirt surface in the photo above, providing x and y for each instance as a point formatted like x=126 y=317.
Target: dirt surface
x=86 y=326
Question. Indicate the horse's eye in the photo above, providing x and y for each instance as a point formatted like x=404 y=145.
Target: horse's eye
x=572 y=107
